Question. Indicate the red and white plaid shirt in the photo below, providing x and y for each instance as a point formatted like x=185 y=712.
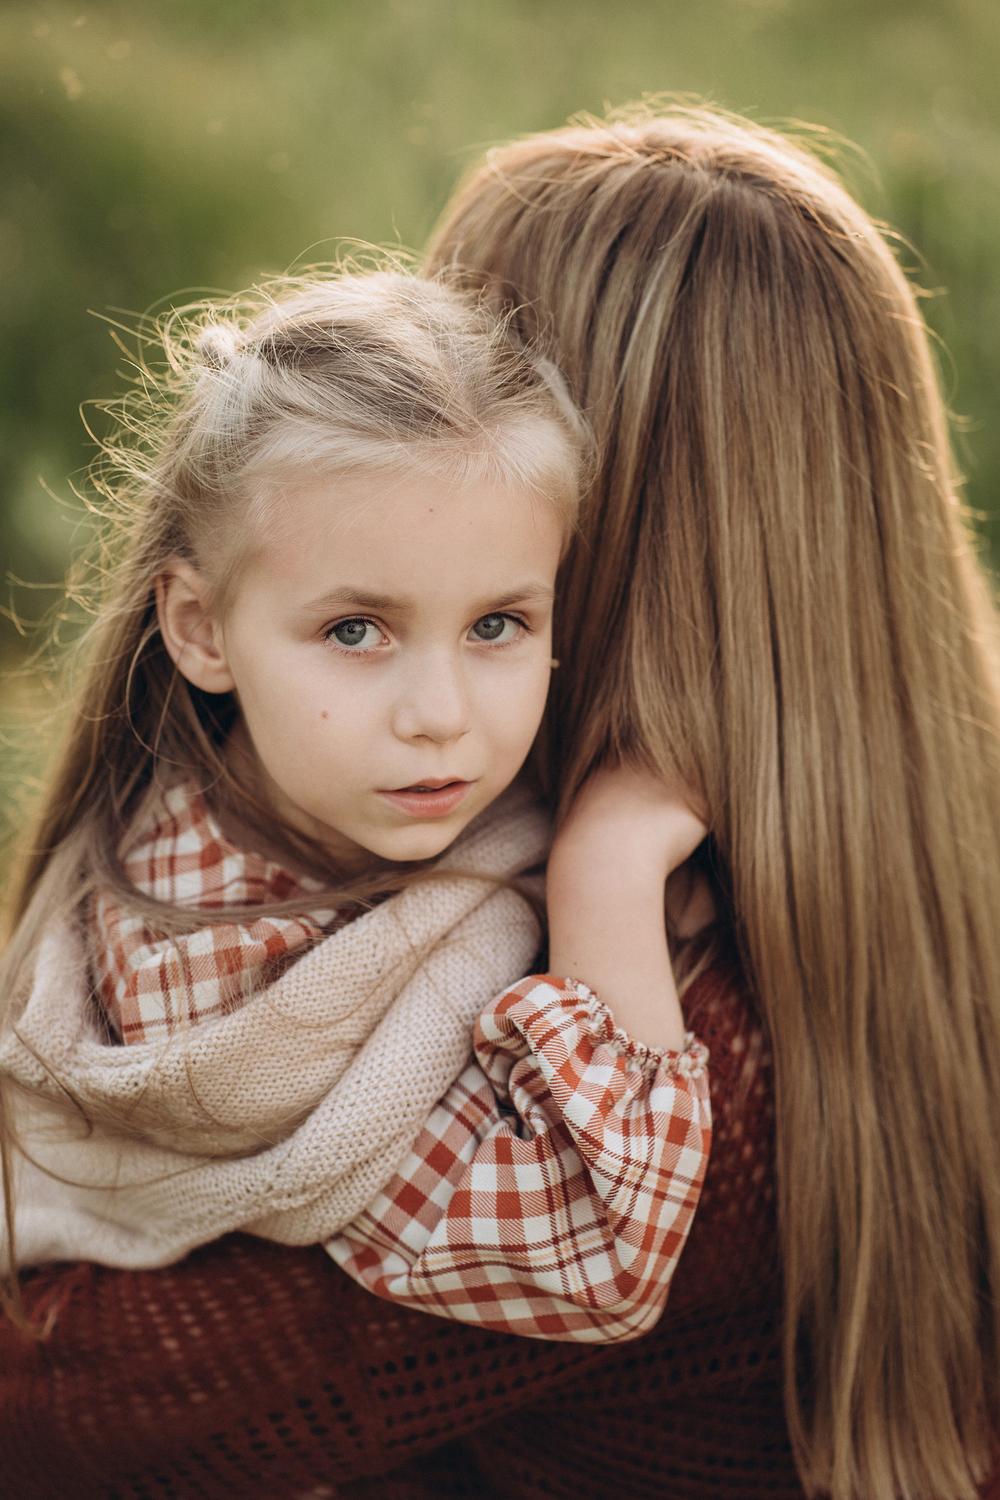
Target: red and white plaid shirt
x=149 y=982
x=552 y=1189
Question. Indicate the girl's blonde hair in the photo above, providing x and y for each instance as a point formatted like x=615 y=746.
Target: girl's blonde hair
x=319 y=374
x=775 y=595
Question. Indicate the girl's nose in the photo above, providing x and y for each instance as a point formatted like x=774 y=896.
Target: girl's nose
x=434 y=703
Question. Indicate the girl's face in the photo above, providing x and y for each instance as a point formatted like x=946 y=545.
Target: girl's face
x=390 y=646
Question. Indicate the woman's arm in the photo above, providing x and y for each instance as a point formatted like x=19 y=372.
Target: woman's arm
x=248 y=1369
x=552 y=1190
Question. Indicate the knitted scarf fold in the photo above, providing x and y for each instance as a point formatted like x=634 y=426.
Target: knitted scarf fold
x=284 y=1117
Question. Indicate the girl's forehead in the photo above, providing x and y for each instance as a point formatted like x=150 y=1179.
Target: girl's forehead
x=405 y=537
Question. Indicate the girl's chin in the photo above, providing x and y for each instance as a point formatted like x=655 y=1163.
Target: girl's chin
x=419 y=841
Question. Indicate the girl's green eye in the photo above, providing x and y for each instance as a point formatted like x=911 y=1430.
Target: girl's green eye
x=491 y=627
x=351 y=632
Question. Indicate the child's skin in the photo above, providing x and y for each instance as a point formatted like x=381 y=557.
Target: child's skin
x=387 y=632
x=384 y=632
x=624 y=834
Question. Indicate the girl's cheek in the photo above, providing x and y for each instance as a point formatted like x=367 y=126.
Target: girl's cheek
x=516 y=714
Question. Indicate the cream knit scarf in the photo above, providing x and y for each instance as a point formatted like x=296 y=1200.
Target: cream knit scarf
x=283 y=1118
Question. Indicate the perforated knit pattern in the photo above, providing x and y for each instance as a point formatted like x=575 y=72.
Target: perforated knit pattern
x=251 y=1370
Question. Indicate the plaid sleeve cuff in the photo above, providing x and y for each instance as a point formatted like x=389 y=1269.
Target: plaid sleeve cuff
x=552 y=1190
x=509 y=1027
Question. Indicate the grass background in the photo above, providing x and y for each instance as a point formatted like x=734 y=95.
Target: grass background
x=150 y=151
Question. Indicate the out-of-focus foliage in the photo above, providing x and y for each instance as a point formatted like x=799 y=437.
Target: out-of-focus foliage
x=148 y=150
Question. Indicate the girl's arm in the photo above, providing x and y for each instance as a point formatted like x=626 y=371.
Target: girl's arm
x=552 y=1190
x=625 y=833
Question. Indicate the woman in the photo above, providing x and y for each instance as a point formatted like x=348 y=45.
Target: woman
x=773 y=596
x=806 y=636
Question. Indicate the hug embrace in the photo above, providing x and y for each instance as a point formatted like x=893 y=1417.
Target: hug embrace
x=524 y=849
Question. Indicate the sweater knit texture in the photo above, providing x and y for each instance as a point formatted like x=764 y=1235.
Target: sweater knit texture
x=255 y=1370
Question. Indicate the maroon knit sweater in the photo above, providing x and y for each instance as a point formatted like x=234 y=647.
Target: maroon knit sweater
x=253 y=1370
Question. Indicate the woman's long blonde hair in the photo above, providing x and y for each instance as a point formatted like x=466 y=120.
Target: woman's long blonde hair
x=775 y=594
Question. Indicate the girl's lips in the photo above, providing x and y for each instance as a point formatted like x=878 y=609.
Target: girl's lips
x=434 y=803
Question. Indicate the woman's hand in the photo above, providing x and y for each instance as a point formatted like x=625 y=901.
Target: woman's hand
x=624 y=834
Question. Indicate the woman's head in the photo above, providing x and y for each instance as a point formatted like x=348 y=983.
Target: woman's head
x=773 y=593
x=772 y=456
x=338 y=505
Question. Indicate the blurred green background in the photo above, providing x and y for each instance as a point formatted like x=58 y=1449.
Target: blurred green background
x=176 y=145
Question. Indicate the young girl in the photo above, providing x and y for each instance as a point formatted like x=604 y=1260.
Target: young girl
x=322 y=658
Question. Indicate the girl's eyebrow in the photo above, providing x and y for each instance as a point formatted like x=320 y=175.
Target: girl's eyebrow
x=351 y=597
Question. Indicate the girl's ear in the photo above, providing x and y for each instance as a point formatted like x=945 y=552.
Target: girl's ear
x=190 y=634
